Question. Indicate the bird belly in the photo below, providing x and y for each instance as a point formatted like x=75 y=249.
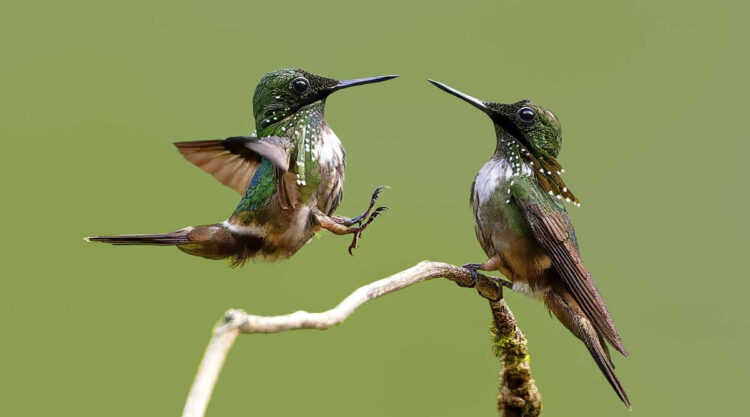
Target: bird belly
x=286 y=241
x=503 y=232
x=520 y=258
x=526 y=265
x=284 y=231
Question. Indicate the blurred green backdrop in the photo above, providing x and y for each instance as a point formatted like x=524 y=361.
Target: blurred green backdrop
x=651 y=95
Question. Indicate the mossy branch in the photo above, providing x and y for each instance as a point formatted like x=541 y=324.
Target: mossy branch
x=518 y=394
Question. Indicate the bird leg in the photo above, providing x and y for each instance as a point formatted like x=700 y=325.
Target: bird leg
x=348 y=222
x=492 y=264
x=335 y=226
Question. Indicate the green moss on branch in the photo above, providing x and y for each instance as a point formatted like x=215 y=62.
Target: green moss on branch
x=518 y=396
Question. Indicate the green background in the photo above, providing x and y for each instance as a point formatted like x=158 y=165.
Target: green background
x=651 y=95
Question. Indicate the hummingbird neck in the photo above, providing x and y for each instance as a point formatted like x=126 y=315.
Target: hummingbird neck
x=278 y=114
x=545 y=168
x=508 y=147
x=306 y=116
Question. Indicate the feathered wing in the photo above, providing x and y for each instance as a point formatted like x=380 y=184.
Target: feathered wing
x=570 y=314
x=553 y=230
x=233 y=161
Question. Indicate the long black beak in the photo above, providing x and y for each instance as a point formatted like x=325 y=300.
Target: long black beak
x=465 y=97
x=360 y=81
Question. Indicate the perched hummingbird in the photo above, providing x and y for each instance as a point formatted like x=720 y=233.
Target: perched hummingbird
x=291 y=176
x=521 y=223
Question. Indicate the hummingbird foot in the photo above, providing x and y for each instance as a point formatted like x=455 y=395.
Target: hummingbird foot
x=359 y=219
x=473 y=268
x=341 y=225
x=358 y=230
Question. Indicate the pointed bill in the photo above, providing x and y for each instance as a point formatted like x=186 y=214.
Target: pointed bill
x=465 y=97
x=361 y=81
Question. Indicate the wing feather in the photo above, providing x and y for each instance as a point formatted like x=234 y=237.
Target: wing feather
x=233 y=161
x=553 y=230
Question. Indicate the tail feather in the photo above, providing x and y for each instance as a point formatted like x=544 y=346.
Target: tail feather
x=606 y=351
x=571 y=315
x=601 y=357
x=159 y=239
x=213 y=241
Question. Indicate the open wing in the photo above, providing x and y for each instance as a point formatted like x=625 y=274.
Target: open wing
x=233 y=161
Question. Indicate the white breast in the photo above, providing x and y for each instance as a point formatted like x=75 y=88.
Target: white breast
x=496 y=177
x=329 y=150
x=490 y=178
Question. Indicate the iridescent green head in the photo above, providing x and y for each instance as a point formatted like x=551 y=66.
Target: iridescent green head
x=529 y=124
x=527 y=131
x=537 y=129
x=281 y=93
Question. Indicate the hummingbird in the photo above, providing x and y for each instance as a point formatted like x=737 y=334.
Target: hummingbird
x=290 y=174
x=521 y=223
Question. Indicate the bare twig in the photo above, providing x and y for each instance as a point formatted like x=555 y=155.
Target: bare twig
x=235 y=322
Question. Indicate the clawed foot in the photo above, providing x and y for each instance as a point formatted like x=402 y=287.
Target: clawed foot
x=473 y=268
x=359 y=229
x=373 y=199
x=343 y=225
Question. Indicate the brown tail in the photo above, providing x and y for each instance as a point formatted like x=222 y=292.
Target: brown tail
x=213 y=241
x=571 y=315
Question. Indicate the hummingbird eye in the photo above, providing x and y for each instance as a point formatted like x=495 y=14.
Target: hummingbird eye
x=526 y=114
x=300 y=85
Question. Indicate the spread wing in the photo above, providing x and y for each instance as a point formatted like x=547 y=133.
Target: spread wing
x=553 y=230
x=233 y=161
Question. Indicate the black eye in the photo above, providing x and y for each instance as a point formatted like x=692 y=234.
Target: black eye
x=526 y=114
x=300 y=85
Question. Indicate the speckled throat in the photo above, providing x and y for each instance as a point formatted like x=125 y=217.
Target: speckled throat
x=547 y=170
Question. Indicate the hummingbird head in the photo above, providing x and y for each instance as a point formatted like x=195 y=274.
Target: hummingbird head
x=282 y=92
x=529 y=124
x=528 y=131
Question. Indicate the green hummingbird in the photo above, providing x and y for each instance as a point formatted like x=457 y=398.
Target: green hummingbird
x=290 y=173
x=520 y=221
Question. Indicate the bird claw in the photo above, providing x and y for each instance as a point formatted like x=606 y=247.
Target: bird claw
x=354 y=244
x=361 y=228
x=377 y=192
x=473 y=268
x=359 y=219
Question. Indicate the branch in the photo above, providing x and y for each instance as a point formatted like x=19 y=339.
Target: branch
x=235 y=322
x=518 y=393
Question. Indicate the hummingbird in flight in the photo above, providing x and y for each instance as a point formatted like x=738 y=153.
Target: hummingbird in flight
x=290 y=174
x=520 y=221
